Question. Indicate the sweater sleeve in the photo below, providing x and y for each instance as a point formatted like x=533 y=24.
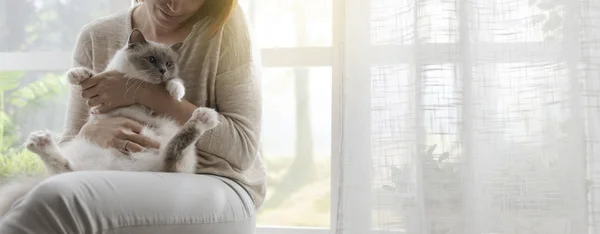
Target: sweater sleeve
x=77 y=111
x=238 y=99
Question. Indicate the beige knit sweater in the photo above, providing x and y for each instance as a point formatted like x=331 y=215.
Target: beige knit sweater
x=220 y=71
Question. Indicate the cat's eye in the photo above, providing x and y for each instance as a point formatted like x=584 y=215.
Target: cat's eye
x=151 y=59
x=169 y=64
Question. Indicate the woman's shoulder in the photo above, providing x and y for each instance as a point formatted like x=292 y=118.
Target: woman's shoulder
x=237 y=42
x=98 y=39
x=237 y=27
x=110 y=27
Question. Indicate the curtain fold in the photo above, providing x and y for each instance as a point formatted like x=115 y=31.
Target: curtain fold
x=468 y=116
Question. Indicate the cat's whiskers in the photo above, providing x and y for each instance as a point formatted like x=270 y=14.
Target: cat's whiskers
x=134 y=82
x=137 y=80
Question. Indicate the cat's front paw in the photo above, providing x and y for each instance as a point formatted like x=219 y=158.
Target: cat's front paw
x=176 y=89
x=206 y=118
x=78 y=74
x=39 y=141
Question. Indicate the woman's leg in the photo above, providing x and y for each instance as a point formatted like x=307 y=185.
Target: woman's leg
x=132 y=202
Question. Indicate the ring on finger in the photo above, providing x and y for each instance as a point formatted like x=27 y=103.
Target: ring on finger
x=125 y=146
x=93 y=101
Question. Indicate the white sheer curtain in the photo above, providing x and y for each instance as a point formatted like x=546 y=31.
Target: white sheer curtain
x=467 y=116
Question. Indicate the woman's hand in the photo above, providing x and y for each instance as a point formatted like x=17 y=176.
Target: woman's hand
x=119 y=133
x=109 y=90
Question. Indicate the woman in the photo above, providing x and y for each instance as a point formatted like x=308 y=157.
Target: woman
x=221 y=71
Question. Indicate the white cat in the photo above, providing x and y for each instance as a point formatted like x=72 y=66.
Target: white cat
x=145 y=61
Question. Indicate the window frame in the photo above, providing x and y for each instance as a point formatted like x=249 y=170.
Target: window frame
x=323 y=56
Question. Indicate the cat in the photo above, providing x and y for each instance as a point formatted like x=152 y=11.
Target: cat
x=140 y=61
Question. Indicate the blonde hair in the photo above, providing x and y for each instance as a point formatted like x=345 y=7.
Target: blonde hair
x=219 y=10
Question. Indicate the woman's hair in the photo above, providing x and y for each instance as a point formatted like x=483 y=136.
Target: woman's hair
x=218 y=10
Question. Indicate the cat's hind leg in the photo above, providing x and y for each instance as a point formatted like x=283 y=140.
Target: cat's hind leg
x=42 y=143
x=202 y=120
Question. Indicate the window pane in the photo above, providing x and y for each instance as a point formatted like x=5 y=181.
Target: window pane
x=46 y=25
x=29 y=101
x=526 y=21
x=296 y=140
x=294 y=23
x=406 y=22
x=437 y=21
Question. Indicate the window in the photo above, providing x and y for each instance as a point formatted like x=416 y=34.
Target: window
x=299 y=88
x=295 y=39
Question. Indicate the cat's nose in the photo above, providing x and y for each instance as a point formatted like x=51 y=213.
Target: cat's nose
x=162 y=71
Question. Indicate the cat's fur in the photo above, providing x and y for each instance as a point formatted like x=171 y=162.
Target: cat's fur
x=177 y=151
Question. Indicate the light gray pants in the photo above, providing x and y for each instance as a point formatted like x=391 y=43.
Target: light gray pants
x=92 y=202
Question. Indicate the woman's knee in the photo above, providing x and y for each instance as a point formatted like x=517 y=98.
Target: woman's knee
x=227 y=196
x=53 y=206
x=57 y=196
x=79 y=189
x=81 y=200
x=56 y=188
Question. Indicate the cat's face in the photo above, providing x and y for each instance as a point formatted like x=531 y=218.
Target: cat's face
x=155 y=63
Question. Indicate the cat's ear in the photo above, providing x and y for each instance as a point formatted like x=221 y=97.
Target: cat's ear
x=136 y=37
x=176 y=46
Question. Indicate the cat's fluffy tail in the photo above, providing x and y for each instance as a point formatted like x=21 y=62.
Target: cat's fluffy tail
x=15 y=190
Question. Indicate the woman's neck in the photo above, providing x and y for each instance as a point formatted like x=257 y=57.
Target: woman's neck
x=156 y=32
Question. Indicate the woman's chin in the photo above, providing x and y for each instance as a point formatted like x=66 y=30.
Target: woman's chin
x=166 y=20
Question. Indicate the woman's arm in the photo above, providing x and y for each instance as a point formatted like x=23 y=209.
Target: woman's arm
x=157 y=98
x=239 y=105
x=77 y=110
